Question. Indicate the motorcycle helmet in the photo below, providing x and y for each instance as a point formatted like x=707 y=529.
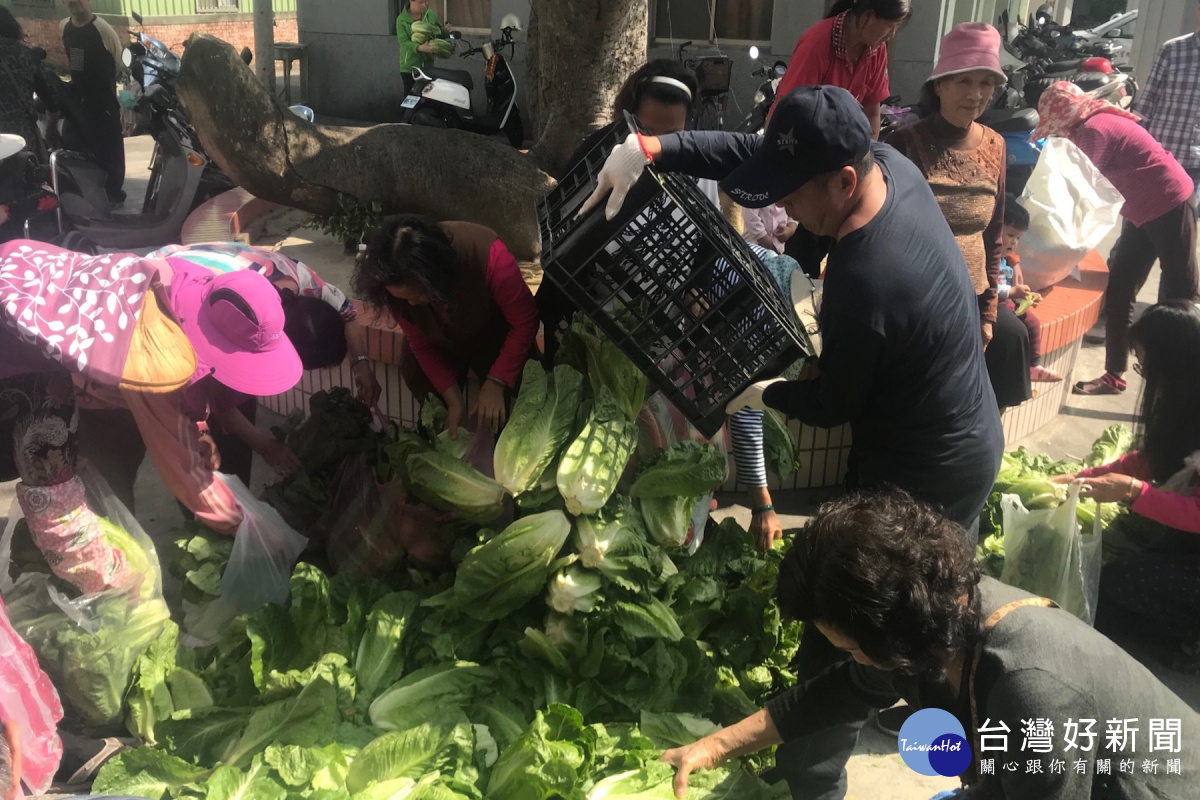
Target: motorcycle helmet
x=1097 y=64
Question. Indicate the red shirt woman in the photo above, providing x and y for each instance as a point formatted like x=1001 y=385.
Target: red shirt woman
x=848 y=49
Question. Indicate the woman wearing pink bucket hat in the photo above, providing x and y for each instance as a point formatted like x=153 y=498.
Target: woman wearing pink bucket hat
x=1159 y=212
x=964 y=163
x=163 y=339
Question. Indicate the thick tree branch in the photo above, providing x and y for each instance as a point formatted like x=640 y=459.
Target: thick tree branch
x=275 y=155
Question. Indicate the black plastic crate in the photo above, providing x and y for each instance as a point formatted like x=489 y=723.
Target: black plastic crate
x=673 y=285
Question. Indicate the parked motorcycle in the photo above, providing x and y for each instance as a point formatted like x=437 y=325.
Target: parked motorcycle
x=181 y=176
x=764 y=98
x=441 y=98
x=1096 y=76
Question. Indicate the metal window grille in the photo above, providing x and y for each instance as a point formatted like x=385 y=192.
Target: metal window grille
x=205 y=6
x=713 y=20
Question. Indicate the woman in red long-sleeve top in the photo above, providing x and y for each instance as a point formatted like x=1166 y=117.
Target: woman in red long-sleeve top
x=459 y=297
x=1152 y=558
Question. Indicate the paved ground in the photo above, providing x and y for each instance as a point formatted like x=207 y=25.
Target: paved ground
x=875 y=771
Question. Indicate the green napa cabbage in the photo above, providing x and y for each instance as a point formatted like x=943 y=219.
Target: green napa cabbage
x=450 y=484
x=573 y=589
x=509 y=570
x=668 y=519
x=615 y=542
x=540 y=425
x=425 y=692
x=779 y=445
x=587 y=349
x=685 y=469
x=380 y=658
x=591 y=467
x=1115 y=442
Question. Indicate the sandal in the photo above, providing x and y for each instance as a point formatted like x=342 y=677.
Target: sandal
x=1039 y=374
x=1105 y=384
x=108 y=748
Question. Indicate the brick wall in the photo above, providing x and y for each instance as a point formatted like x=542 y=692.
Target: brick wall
x=238 y=30
x=46 y=34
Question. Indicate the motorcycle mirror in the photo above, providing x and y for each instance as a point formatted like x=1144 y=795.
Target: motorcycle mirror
x=127 y=57
x=754 y=52
x=455 y=35
x=247 y=56
x=137 y=17
x=780 y=69
x=511 y=21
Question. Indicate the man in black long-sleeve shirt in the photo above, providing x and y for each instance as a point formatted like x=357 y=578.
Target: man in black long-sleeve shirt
x=901 y=361
x=898 y=363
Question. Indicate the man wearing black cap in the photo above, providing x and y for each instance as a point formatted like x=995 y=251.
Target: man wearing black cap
x=900 y=360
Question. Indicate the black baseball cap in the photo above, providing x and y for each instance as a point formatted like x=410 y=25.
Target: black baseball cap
x=813 y=130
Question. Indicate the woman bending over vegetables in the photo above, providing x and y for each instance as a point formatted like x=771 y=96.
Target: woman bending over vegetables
x=1152 y=557
x=459 y=297
x=887 y=579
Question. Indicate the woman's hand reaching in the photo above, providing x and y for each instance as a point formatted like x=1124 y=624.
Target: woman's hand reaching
x=490 y=410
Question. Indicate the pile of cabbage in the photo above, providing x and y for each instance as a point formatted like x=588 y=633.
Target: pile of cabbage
x=567 y=640
x=1028 y=476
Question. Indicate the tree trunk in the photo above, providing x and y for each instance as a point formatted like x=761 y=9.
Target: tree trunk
x=275 y=155
x=580 y=52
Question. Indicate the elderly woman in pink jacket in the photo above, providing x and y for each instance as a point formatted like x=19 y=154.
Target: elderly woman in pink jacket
x=153 y=335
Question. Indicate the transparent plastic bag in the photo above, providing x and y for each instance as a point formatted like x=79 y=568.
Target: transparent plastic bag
x=372 y=526
x=265 y=549
x=661 y=425
x=88 y=644
x=1072 y=207
x=29 y=702
x=1046 y=554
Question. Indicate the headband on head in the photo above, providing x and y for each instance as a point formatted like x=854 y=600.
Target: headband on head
x=680 y=85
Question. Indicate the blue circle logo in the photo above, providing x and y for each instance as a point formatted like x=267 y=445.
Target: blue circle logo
x=932 y=742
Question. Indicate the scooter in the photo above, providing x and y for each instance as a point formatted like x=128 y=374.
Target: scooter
x=182 y=177
x=441 y=98
x=764 y=98
x=177 y=171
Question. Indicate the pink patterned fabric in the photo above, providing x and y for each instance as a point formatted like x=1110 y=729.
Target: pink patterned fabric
x=29 y=701
x=68 y=533
x=76 y=309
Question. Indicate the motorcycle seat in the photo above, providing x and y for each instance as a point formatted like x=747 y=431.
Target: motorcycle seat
x=459 y=76
x=1063 y=67
x=1010 y=120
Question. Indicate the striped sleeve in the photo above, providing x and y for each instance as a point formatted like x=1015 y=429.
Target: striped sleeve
x=746 y=435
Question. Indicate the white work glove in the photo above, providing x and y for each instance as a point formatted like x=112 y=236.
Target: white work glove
x=751 y=398
x=621 y=170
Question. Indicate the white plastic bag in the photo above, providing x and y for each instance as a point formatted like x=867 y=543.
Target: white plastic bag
x=1072 y=207
x=1046 y=554
x=265 y=549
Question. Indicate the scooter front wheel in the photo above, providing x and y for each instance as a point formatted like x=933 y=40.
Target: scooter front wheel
x=432 y=119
